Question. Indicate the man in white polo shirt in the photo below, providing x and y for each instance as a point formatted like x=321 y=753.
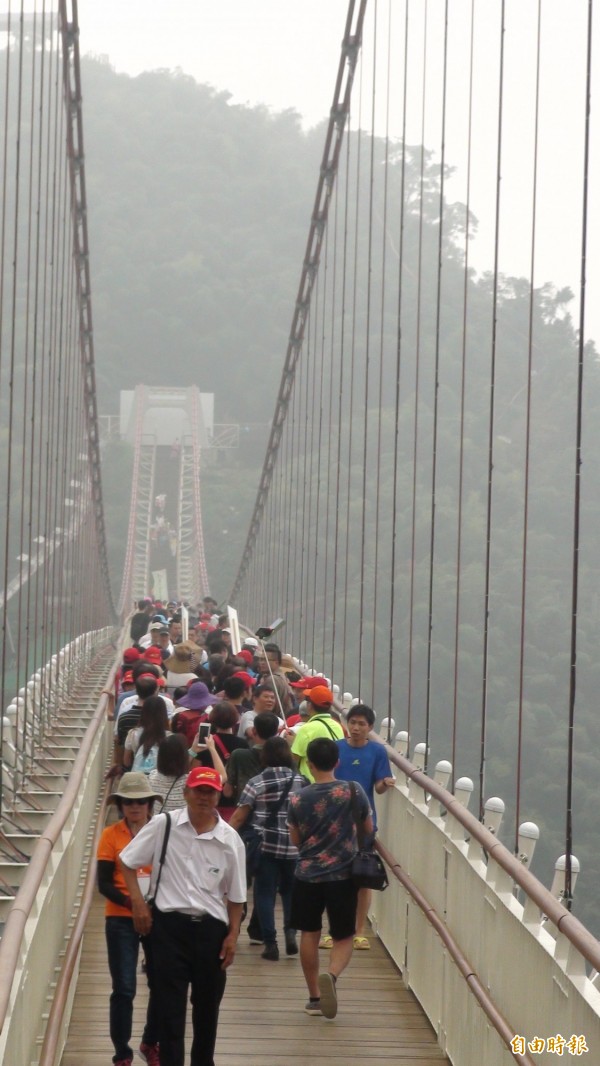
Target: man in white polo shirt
x=195 y=920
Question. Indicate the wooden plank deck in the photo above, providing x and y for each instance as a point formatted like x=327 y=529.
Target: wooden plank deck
x=262 y=1021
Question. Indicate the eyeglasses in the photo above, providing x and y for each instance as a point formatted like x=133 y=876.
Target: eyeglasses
x=128 y=802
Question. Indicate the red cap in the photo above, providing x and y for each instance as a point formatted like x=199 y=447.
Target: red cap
x=320 y=695
x=246 y=655
x=153 y=655
x=246 y=678
x=204 y=777
x=309 y=682
x=161 y=682
x=127 y=678
x=131 y=655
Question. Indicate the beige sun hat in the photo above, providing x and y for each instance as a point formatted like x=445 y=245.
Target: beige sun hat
x=134 y=786
x=184 y=659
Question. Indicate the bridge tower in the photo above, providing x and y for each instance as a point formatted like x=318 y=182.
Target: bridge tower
x=168 y=428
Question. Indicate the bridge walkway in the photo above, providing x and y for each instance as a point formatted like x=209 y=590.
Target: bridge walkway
x=262 y=1020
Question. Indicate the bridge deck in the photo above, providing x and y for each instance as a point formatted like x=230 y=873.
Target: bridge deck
x=262 y=1019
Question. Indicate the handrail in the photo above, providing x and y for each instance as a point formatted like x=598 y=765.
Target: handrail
x=12 y=937
x=59 y=1000
x=565 y=922
x=505 y=1030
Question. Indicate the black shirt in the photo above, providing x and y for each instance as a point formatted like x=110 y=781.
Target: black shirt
x=139 y=625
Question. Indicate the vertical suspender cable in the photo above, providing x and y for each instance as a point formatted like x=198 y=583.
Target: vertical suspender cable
x=577 y=500
x=298 y=489
x=363 y=530
x=438 y=310
x=392 y=616
x=310 y=541
x=290 y=489
x=338 y=480
x=386 y=168
x=48 y=618
x=461 y=456
x=329 y=503
x=415 y=456
x=488 y=535
x=319 y=613
x=528 y=433
x=302 y=517
x=349 y=543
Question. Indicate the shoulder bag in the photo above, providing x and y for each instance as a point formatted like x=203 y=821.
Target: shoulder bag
x=150 y=898
x=368 y=870
x=253 y=836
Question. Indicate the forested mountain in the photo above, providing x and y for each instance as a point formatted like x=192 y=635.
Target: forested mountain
x=198 y=215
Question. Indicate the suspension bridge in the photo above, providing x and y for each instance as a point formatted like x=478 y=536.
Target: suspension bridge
x=425 y=521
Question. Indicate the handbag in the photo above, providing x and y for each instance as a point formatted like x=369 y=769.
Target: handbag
x=253 y=837
x=368 y=870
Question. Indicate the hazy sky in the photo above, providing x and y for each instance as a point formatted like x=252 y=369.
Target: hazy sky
x=280 y=52
x=285 y=53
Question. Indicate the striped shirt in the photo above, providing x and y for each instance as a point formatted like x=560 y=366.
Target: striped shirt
x=261 y=794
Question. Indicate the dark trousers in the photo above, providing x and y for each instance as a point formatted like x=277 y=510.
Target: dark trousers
x=273 y=873
x=186 y=953
x=123 y=944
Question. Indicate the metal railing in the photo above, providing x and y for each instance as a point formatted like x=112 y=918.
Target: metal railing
x=473 y=953
x=37 y=923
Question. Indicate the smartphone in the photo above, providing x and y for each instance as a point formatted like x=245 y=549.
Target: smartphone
x=203 y=732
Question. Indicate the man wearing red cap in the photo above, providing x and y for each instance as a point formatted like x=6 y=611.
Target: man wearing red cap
x=320 y=724
x=195 y=919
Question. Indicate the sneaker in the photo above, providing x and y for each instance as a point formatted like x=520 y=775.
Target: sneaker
x=328 y=995
x=361 y=943
x=326 y=941
x=313 y=1007
x=149 y=1053
x=291 y=944
x=271 y=952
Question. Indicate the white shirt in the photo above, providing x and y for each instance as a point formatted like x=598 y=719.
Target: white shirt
x=247 y=721
x=201 y=870
x=130 y=701
x=179 y=680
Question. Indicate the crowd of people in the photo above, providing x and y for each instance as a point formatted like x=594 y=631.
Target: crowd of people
x=230 y=771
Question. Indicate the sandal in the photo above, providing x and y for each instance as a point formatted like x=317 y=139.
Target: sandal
x=326 y=941
x=361 y=943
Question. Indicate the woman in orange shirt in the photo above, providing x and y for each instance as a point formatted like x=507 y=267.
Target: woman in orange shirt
x=134 y=798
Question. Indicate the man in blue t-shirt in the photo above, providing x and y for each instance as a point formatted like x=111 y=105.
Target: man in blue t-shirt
x=366 y=762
